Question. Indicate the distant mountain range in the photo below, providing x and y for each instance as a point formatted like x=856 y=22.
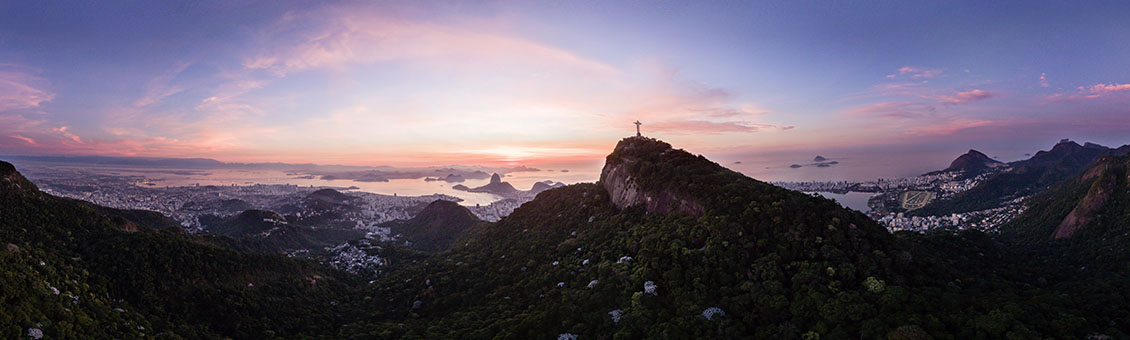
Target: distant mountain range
x=1023 y=178
x=973 y=163
x=449 y=173
x=667 y=244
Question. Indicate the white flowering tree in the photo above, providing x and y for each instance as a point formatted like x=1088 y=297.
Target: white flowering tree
x=709 y=313
x=651 y=288
x=616 y=315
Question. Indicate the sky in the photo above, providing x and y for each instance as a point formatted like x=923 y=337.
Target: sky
x=554 y=82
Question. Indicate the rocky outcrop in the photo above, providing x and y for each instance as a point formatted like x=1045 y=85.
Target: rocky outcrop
x=10 y=179
x=1107 y=174
x=505 y=189
x=620 y=178
x=624 y=192
x=494 y=187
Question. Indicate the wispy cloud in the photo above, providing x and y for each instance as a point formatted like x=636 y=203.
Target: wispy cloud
x=953 y=127
x=1095 y=91
x=1044 y=80
x=1102 y=89
x=744 y=110
x=62 y=130
x=161 y=87
x=709 y=127
x=341 y=82
x=345 y=36
x=963 y=97
x=915 y=73
x=926 y=104
x=27 y=140
x=21 y=89
x=911 y=109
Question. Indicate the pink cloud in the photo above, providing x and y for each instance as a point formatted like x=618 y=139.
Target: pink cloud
x=894 y=109
x=1044 y=80
x=346 y=36
x=1101 y=89
x=27 y=140
x=19 y=89
x=63 y=131
x=527 y=85
x=65 y=143
x=747 y=109
x=1088 y=92
x=915 y=73
x=917 y=108
x=967 y=96
x=952 y=127
x=909 y=89
x=34 y=136
x=161 y=87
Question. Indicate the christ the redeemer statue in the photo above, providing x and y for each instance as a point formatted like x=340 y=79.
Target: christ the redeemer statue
x=638 y=129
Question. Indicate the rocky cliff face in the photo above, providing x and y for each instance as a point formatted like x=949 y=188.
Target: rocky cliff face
x=1107 y=173
x=10 y=179
x=622 y=178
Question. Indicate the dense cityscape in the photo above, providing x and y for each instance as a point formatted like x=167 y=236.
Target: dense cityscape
x=892 y=203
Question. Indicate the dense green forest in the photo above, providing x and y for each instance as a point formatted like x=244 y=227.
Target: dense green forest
x=759 y=262
x=73 y=272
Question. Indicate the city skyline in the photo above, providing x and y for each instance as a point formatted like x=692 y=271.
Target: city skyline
x=508 y=83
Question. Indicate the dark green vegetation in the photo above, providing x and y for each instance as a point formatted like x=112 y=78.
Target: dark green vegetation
x=436 y=227
x=1083 y=223
x=778 y=264
x=118 y=280
x=271 y=232
x=1027 y=177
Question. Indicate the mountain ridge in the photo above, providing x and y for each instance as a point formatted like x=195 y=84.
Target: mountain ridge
x=137 y=281
x=436 y=227
x=757 y=261
x=973 y=162
x=1024 y=178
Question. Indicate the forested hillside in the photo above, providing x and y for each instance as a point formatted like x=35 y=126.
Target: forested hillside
x=668 y=245
x=71 y=272
x=760 y=262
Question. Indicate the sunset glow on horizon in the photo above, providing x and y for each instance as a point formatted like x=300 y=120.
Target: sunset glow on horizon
x=516 y=83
